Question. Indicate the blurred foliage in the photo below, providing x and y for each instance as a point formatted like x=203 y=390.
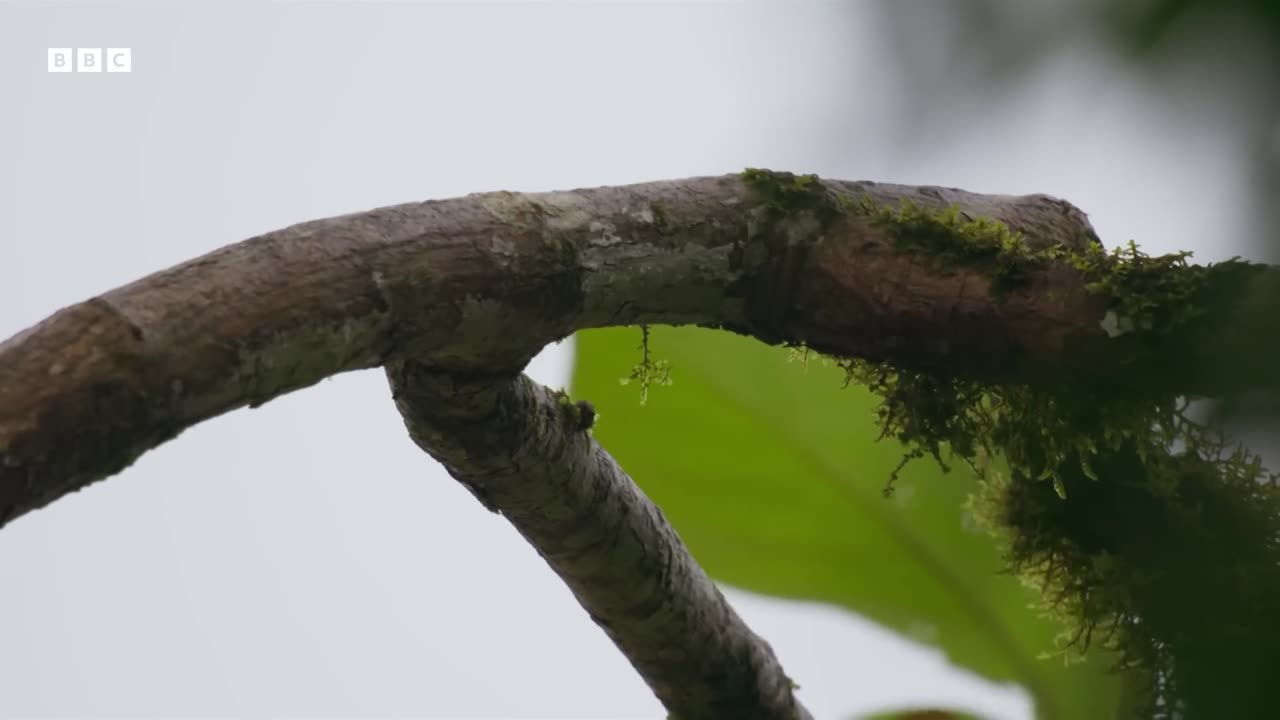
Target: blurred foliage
x=1142 y=28
x=921 y=714
x=1152 y=33
x=773 y=476
x=1198 y=53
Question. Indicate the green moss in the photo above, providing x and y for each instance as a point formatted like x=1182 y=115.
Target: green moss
x=1146 y=531
x=786 y=191
x=1145 y=293
x=1155 y=294
x=563 y=399
x=953 y=240
x=786 y=194
x=648 y=371
x=577 y=416
x=1169 y=559
x=660 y=219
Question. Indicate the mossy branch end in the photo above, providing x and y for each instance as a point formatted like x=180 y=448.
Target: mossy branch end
x=1148 y=533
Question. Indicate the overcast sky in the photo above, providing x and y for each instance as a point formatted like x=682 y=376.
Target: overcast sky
x=304 y=558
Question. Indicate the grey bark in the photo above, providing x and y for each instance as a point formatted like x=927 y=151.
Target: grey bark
x=525 y=455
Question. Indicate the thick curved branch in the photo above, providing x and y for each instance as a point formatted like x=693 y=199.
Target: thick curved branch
x=525 y=454
x=455 y=296
x=482 y=283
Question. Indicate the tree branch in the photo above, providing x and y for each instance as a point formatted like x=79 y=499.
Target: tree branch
x=482 y=283
x=525 y=454
x=474 y=287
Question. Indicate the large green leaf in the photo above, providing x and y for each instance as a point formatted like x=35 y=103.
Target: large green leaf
x=773 y=476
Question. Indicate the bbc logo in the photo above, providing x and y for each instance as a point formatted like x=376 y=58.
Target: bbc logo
x=91 y=59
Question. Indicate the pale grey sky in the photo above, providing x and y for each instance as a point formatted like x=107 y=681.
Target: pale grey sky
x=266 y=563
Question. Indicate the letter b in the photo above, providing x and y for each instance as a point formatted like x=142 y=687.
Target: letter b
x=59 y=59
x=88 y=59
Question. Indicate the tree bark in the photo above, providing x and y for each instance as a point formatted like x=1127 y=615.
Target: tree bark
x=474 y=287
x=527 y=456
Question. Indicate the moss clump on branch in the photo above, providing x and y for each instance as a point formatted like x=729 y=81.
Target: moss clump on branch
x=951 y=239
x=1144 y=292
x=1145 y=531
x=786 y=193
x=579 y=416
x=1168 y=558
x=794 y=208
x=1157 y=294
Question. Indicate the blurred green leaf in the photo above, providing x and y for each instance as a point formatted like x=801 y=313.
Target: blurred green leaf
x=773 y=476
